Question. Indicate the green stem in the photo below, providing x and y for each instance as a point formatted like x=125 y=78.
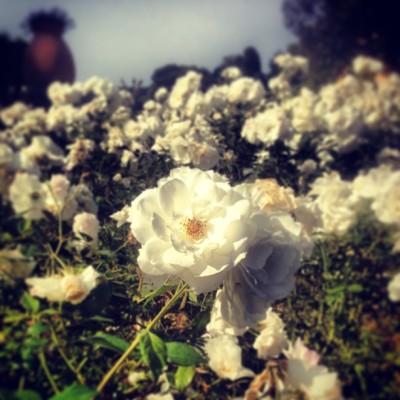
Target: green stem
x=180 y=289
x=47 y=372
x=65 y=358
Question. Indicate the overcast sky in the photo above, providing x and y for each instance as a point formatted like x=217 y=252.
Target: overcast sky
x=125 y=39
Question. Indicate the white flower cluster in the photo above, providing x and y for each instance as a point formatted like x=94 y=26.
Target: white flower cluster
x=178 y=122
x=302 y=370
x=339 y=201
x=196 y=226
x=345 y=113
x=74 y=106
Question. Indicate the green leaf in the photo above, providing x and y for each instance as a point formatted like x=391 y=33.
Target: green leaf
x=183 y=354
x=355 y=288
x=153 y=352
x=20 y=395
x=76 y=392
x=37 y=329
x=193 y=297
x=148 y=297
x=184 y=376
x=30 y=303
x=109 y=342
x=14 y=317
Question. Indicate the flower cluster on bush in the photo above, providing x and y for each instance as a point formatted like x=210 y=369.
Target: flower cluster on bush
x=243 y=238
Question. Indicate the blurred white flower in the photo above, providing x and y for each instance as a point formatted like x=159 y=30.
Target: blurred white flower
x=79 y=151
x=63 y=93
x=394 y=288
x=246 y=90
x=217 y=325
x=183 y=88
x=267 y=127
x=122 y=216
x=135 y=377
x=304 y=373
x=194 y=225
x=291 y=65
x=225 y=357
x=27 y=196
x=59 y=197
x=43 y=147
x=14 y=265
x=231 y=73
x=363 y=65
x=272 y=339
x=87 y=224
x=160 y=396
x=12 y=114
x=386 y=204
x=337 y=202
x=70 y=287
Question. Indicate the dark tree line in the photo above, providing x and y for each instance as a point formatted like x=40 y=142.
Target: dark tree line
x=332 y=32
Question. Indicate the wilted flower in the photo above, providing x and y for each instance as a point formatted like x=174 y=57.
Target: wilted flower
x=272 y=339
x=225 y=357
x=70 y=287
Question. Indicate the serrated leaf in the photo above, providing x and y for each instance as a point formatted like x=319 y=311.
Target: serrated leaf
x=76 y=392
x=109 y=342
x=30 y=303
x=153 y=352
x=183 y=354
x=184 y=376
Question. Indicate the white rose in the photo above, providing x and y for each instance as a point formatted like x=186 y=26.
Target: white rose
x=225 y=357
x=194 y=225
x=305 y=374
x=267 y=274
x=272 y=338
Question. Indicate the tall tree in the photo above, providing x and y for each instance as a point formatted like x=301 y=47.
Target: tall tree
x=332 y=32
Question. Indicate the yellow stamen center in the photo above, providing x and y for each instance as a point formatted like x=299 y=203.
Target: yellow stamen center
x=193 y=228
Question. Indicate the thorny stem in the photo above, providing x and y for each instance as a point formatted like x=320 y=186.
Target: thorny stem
x=180 y=289
x=47 y=372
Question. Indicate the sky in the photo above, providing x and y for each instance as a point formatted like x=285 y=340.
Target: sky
x=129 y=39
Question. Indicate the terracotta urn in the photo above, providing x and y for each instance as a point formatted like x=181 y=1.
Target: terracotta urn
x=48 y=57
